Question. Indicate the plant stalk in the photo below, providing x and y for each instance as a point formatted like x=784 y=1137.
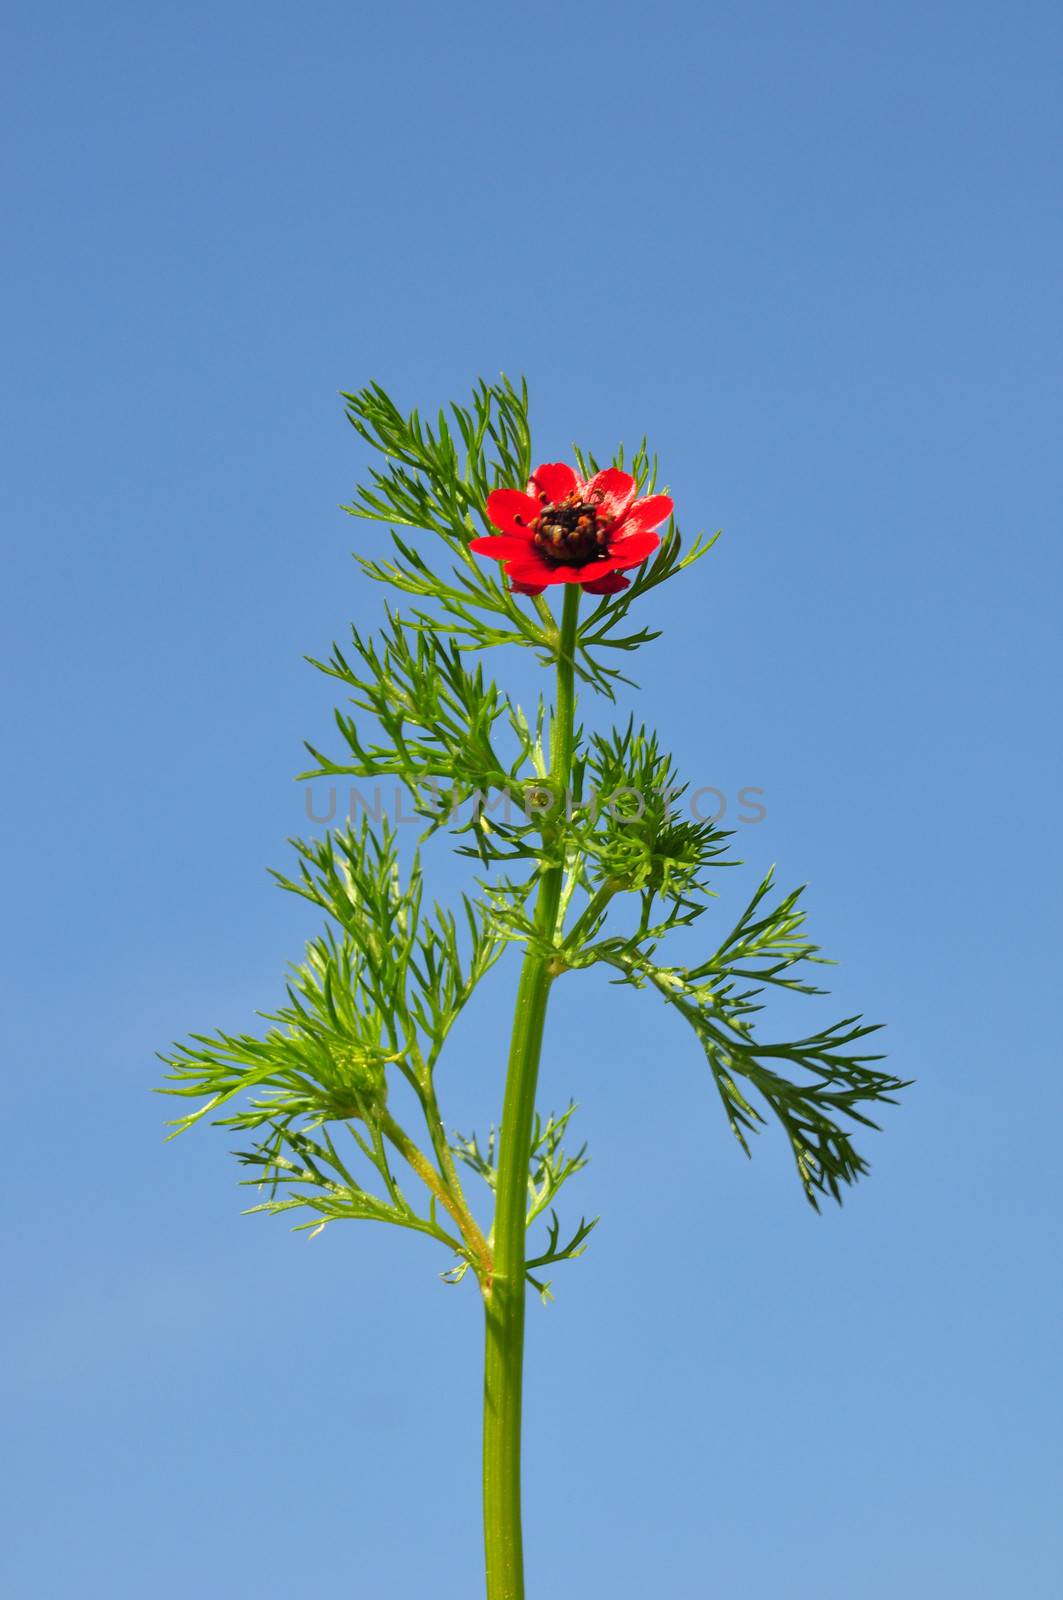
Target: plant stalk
x=504 y=1300
x=476 y=1244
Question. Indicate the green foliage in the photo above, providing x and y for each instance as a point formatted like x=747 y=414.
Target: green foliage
x=378 y=992
x=549 y=1167
x=440 y=723
x=411 y=976
x=634 y=839
x=325 y=1057
x=436 y=479
x=304 y=1173
x=720 y=999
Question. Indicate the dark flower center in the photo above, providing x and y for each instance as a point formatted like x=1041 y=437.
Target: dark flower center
x=570 y=534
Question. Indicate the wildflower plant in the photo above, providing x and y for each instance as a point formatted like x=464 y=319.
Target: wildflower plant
x=578 y=855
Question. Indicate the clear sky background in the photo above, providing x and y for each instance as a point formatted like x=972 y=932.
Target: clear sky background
x=813 y=250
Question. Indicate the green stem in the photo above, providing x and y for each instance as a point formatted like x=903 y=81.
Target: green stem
x=476 y=1244
x=446 y=1166
x=504 y=1299
x=592 y=911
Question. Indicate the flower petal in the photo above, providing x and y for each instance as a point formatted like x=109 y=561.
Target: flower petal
x=554 y=479
x=627 y=553
x=613 y=491
x=642 y=516
x=511 y=510
x=635 y=548
x=501 y=547
x=525 y=588
x=527 y=573
x=528 y=570
x=610 y=584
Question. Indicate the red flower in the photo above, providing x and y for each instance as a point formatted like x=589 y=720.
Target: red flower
x=566 y=531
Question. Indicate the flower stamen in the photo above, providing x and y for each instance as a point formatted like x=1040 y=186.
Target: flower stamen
x=569 y=534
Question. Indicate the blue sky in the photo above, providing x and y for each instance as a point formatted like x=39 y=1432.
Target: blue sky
x=814 y=251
